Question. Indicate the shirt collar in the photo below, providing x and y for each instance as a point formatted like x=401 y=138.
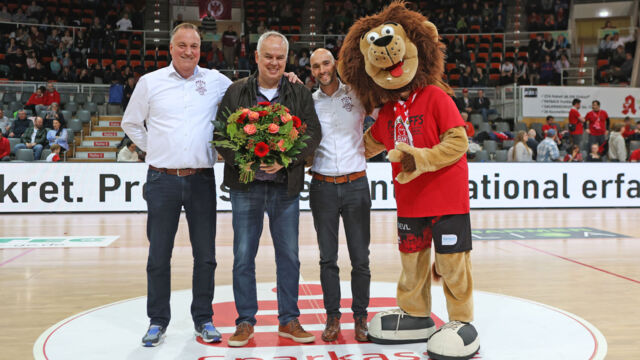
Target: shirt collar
x=342 y=89
x=174 y=72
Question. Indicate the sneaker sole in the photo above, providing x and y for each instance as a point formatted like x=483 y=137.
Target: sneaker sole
x=150 y=344
x=297 y=339
x=214 y=340
x=239 y=343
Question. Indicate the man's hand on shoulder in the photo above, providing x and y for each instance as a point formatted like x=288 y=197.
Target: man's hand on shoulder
x=293 y=78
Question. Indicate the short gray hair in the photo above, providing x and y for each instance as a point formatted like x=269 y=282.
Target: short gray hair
x=184 y=25
x=273 y=33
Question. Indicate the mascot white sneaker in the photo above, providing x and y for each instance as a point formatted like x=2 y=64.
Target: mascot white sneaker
x=394 y=60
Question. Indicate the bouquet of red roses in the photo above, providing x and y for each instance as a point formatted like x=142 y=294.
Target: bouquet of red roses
x=265 y=133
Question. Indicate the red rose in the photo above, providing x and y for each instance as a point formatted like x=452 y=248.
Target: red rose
x=264 y=103
x=242 y=116
x=281 y=145
x=263 y=113
x=286 y=109
x=253 y=116
x=250 y=129
x=261 y=149
x=273 y=128
x=296 y=121
x=285 y=118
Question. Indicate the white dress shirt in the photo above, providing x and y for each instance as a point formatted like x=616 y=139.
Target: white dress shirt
x=178 y=114
x=341 y=150
x=126 y=155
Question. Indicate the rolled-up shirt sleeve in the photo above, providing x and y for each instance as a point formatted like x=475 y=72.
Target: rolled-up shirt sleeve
x=136 y=113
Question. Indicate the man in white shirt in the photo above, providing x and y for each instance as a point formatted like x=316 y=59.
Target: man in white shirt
x=340 y=188
x=124 y=24
x=177 y=103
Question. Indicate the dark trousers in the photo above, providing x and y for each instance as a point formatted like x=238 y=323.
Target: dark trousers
x=596 y=139
x=248 y=208
x=352 y=201
x=166 y=195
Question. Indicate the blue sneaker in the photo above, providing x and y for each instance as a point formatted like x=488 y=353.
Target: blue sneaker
x=154 y=336
x=208 y=332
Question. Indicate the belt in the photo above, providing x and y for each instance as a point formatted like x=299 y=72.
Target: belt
x=340 y=179
x=178 y=172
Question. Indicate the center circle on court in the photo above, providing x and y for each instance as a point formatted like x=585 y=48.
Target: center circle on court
x=509 y=328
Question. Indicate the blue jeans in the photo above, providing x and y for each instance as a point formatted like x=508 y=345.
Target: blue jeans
x=485 y=113
x=37 y=150
x=248 y=209
x=166 y=195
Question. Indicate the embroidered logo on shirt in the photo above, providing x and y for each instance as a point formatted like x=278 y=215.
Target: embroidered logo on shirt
x=201 y=87
x=346 y=103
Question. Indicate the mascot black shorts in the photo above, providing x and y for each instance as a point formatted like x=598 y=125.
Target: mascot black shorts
x=450 y=233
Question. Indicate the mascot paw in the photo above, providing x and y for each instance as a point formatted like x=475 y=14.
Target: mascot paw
x=455 y=340
x=395 y=155
x=398 y=327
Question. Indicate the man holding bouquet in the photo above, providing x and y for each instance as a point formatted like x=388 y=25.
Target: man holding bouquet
x=274 y=188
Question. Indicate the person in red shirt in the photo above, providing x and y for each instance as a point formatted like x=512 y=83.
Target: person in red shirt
x=576 y=122
x=52 y=95
x=5 y=148
x=598 y=120
x=635 y=156
x=37 y=98
x=551 y=124
x=468 y=126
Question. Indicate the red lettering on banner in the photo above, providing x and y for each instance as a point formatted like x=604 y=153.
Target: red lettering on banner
x=211 y=357
x=334 y=356
x=286 y=357
x=407 y=355
x=312 y=357
x=114 y=123
x=249 y=358
x=629 y=105
x=95 y=156
x=375 y=356
x=100 y=143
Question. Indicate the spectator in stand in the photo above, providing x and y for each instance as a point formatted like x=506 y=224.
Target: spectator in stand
x=547 y=71
x=98 y=74
x=5 y=15
x=52 y=95
x=229 y=38
x=116 y=92
x=466 y=79
x=67 y=40
x=594 y=155
x=620 y=72
x=55 y=153
x=58 y=135
x=37 y=98
x=125 y=24
x=84 y=77
x=5 y=124
x=548 y=149
x=551 y=124
x=534 y=74
x=576 y=123
x=635 y=156
x=560 y=70
x=629 y=132
x=128 y=91
x=562 y=46
x=482 y=105
x=20 y=125
x=128 y=152
x=66 y=75
x=520 y=151
x=535 y=49
x=215 y=57
x=573 y=155
x=506 y=72
x=209 y=24
x=520 y=71
x=468 y=126
x=35 y=138
x=96 y=34
x=498 y=24
x=479 y=78
x=55 y=67
x=598 y=124
x=19 y=16
x=532 y=143
x=242 y=53
x=177 y=21
x=465 y=104
x=53 y=113
x=617 y=147
x=5 y=148
x=18 y=63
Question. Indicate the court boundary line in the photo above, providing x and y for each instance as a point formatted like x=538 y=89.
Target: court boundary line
x=17 y=256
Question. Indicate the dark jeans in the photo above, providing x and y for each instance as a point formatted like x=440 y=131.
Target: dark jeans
x=166 y=195
x=596 y=139
x=37 y=150
x=352 y=201
x=248 y=209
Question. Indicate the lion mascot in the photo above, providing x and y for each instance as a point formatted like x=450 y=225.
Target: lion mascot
x=395 y=60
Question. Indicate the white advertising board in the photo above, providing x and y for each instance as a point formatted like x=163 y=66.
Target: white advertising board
x=103 y=187
x=618 y=102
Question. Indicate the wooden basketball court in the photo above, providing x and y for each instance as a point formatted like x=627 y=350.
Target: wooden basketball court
x=597 y=279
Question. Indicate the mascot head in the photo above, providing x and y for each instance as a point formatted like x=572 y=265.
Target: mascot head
x=391 y=53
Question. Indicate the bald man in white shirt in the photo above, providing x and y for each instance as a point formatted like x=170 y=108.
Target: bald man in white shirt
x=340 y=188
x=177 y=103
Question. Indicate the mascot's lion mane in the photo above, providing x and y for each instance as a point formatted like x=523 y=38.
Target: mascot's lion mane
x=419 y=31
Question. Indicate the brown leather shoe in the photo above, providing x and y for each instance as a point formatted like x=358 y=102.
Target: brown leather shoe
x=244 y=332
x=332 y=329
x=294 y=331
x=361 y=329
